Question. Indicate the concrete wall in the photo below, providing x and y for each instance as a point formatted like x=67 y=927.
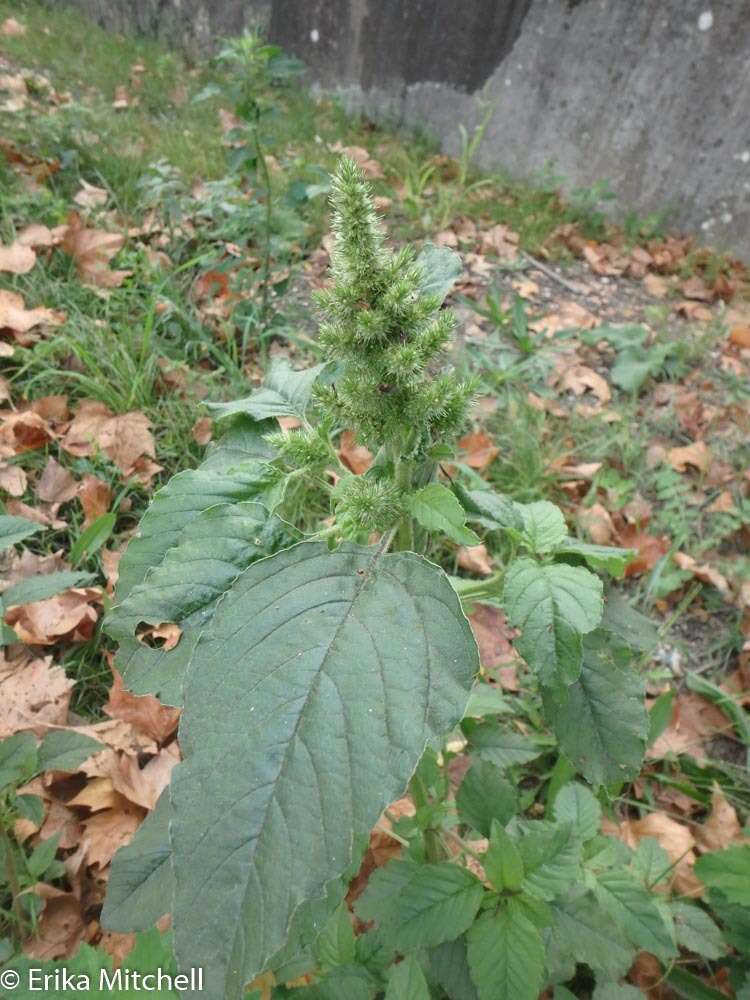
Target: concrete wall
x=650 y=95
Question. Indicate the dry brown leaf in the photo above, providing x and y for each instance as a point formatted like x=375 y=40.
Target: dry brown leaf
x=92 y=250
x=17 y=258
x=96 y=794
x=656 y=286
x=501 y=241
x=56 y=484
x=90 y=196
x=649 y=549
x=69 y=616
x=493 y=635
x=11 y=28
x=60 y=929
x=34 y=696
x=597 y=523
x=20 y=432
x=722 y=827
x=13 y=480
x=110 y=829
x=677 y=841
x=82 y=436
x=695 y=720
x=202 y=430
x=696 y=455
x=740 y=336
x=110 y=564
x=145 y=713
x=570 y=316
x=369 y=167
x=127 y=438
x=143 y=785
x=480 y=450
x=703 y=572
x=355 y=457
x=475 y=559
x=579 y=379
x=95 y=497
x=695 y=288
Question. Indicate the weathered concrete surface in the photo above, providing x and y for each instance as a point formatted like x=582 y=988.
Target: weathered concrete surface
x=650 y=95
x=194 y=25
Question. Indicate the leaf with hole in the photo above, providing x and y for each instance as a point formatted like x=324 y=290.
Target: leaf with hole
x=185 y=588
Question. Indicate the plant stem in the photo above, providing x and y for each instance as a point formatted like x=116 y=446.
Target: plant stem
x=267 y=249
x=17 y=931
x=433 y=847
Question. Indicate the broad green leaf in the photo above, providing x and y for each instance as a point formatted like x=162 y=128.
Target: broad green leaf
x=551 y=855
x=484 y=795
x=634 y=365
x=66 y=750
x=634 y=629
x=18 y=759
x=603 y=724
x=31 y=807
x=651 y=862
x=175 y=505
x=437 y=509
x=421 y=905
x=92 y=538
x=606 y=558
x=692 y=988
x=243 y=438
x=575 y=804
x=42 y=857
x=554 y=605
x=344 y=983
x=501 y=746
x=43 y=585
x=345 y=663
x=616 y=991
x=184 y=589
x=506 y=957
x=15 y=529
x=735 y=919
x=696 y=931
x=486 y=699
x=583 y=931
x=284 y=393
x=491 y=510
x=502 y=860
x=406 y=981
x=728 y=871
x=337 y=944
x=543 y=525
x=441 y=268
x=450 y=967
x=140 y=884
x=634 y=909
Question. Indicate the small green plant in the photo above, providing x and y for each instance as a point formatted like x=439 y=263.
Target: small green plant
x=321 y=668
